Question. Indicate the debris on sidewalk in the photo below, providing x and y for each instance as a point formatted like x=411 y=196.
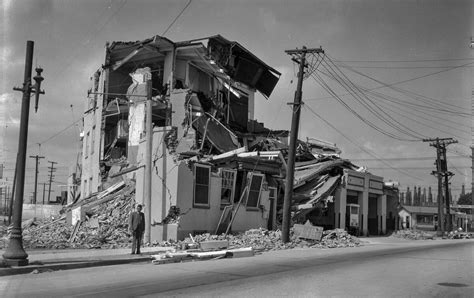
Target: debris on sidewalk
x=192 y=255
x=412 y=235
x=459 y=234
x=338 y=238
x=264 y=240
x=248 y=243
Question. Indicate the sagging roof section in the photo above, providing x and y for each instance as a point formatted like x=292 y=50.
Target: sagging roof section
x=236 y=61
x=243 y=66
x=120 y=52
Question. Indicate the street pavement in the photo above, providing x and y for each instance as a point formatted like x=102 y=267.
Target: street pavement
x=384 y=267
x=65 y=259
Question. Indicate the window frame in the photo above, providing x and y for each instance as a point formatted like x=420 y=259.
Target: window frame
x=232 y=189
x=200 y=205
x=92 y=140
x=257 y=207
x=87 y=144
x=275 y=189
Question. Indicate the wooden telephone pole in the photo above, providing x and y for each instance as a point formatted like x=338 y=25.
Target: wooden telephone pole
x=37 y=158
x=444 y=223
x=51 y=171
x=299 y=56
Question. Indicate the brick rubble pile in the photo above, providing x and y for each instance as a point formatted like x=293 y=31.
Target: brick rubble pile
x=412 y=235
x=109 y=231
x=265 y=240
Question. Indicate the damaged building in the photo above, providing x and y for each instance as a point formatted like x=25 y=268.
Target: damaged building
x=215 y=168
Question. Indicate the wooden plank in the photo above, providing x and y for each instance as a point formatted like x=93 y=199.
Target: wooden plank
x=240 y=252
x=76 y=228
x=308 y=231
x=214 y=244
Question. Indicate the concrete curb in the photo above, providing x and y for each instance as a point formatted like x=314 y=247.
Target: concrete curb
x=70 y=264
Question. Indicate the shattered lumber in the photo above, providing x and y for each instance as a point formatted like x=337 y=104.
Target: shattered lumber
x=106 y=226
x=248 y=243
x=177 y=257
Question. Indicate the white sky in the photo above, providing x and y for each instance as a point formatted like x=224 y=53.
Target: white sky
x=431 y=35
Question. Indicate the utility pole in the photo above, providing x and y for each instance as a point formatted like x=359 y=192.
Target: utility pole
x=447 y=174
x=44 y=189
x=471 y=45
x=15 y=253
x=299 y=56
x=37 y=158
x=442 y=171
x=51 y=171
x=148 y=161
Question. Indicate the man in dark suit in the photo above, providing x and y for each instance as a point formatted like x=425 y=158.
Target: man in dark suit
x=136 y=224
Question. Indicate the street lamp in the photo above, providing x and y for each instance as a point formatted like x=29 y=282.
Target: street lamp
x=15 y=254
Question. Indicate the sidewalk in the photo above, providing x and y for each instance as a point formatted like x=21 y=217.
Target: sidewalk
x=64 y=259
x=49 y=260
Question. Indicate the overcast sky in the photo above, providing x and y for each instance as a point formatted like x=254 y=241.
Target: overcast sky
x=422 y=46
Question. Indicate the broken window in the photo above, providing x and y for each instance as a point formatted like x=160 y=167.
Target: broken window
x=92 y=139
x=202 y=178
x=87 y=144
x=272 y=193
x=238 y=114
x=85 y=188
x=253 y=198
x=199 y=81
x=228 y=185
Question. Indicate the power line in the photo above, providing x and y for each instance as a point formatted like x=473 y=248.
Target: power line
x=315 y=76
x=358 y=145
x=403 y=158
x=176 y=18
x=414 y=168
x=366 y=102
x=410 y=92
x=59 y=132
x=400 y=82
x=397 y=61
x=79 y=49
x=401 y=67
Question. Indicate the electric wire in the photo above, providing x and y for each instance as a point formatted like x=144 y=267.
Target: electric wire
x=409 y=111
x=430 y=100
x=363 y=148
x=176 y=18
x=401 y=61
x=378 y=112
x=401 y=67
x=325 y=86
x=412 y=106
x=400 y=82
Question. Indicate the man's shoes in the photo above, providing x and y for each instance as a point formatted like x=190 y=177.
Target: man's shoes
x=132 y=253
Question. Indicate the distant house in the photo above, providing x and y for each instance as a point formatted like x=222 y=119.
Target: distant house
x=420 y=217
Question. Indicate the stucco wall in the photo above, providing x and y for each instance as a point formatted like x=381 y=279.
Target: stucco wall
x=251 y=219
x=40 y=211
x=197 y=219
x=91 y=143
x=164 y=185
x=206 y=220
